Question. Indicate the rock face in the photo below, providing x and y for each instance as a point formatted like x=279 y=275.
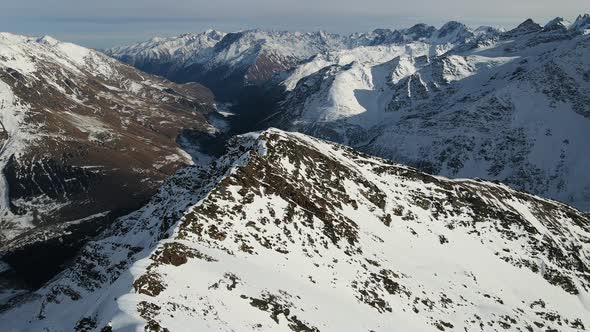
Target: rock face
x=83 y=139
x=582 y=22
x=509 y=106
x=289 y=233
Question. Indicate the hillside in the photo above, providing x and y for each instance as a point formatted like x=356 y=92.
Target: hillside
x=83 y=139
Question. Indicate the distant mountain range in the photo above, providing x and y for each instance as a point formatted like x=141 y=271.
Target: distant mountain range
x=226 y=62
x=504 y=105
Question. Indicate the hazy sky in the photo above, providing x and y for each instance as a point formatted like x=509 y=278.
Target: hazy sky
x=103 y=23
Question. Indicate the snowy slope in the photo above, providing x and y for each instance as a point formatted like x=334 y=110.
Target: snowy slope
x=83 y=134
x=510 y=106
x=290 y=233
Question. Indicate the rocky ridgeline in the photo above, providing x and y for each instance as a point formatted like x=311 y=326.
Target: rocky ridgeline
x=288 y=232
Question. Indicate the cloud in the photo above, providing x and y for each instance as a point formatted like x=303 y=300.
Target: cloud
x=224 y=9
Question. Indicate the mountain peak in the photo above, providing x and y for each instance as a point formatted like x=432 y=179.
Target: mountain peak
x=48 y=40
x=420 y=31
x=582 y=22
x=452 y=25
x=212 y=31
x=556 y=24
x=528 y=23
x=526 y=27
x=453 y=32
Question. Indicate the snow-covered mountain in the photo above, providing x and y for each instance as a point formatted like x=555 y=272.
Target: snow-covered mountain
x=187 y=47
x=511 y=106
x=228 y=62
x=582 y=23
x=289 y=233
x=83 y=139
x=225 y=62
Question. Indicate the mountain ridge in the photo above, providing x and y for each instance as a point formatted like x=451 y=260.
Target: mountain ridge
x=205 y=246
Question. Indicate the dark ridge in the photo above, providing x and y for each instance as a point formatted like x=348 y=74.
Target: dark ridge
x=34 y=264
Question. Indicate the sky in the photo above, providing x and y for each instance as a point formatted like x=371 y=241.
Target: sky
x=106 y=23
